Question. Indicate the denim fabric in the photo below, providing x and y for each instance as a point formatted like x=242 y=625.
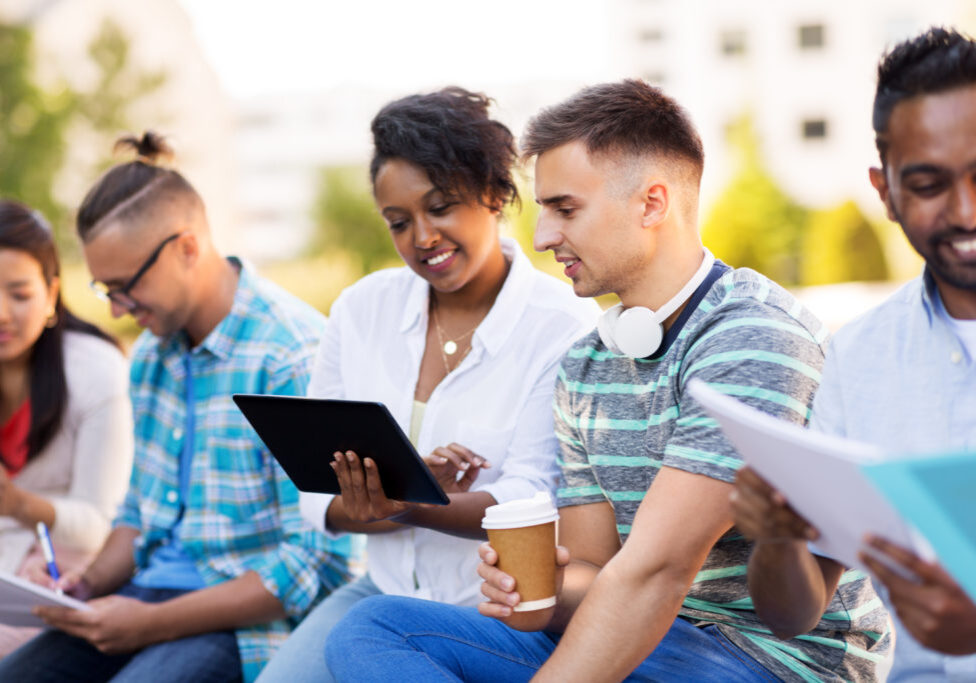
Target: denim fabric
x=302 y=658
x=387 y=638
x=56 y=656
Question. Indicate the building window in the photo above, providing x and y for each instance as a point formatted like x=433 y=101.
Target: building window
x=651 y=35
x=810 y=36
x=732 y=43
x=814 y=129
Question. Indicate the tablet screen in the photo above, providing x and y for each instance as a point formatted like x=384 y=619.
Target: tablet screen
x=303 y=433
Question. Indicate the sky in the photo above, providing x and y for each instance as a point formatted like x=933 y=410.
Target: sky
x=305 y=45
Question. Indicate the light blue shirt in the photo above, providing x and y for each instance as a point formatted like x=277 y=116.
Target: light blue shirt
x=170 y=566
x=229 y=506
x=900 y=377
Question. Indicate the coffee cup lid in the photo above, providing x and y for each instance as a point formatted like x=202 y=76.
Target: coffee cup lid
x=538 y=509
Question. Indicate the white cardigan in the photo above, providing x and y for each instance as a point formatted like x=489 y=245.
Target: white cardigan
x=84 y=470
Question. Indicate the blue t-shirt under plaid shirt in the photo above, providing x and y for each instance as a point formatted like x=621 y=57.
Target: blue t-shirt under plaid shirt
x=620 y=420
x=241 y=511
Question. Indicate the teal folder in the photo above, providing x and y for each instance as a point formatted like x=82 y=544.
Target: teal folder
x=937 y=494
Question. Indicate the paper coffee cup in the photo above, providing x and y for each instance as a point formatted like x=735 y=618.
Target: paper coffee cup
x=523 y=533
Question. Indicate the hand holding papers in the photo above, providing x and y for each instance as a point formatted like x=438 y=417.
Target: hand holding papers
x=820 y=475
x=19 y=596
x=935 y=492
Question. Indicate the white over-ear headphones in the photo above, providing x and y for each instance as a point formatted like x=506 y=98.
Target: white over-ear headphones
x=637 y=331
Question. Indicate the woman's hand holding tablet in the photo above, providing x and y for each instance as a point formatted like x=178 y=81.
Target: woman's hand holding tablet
x=361 y=487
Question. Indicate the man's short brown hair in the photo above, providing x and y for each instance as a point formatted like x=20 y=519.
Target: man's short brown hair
x=630 y=118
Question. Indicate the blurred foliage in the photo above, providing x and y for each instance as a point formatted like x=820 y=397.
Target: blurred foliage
x=754 y=223
x=105 y=107
x=518 y=222
x=840 y=245
x=35 y=122
x=346 y=220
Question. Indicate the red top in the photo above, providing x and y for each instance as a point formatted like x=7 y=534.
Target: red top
x=13 y=439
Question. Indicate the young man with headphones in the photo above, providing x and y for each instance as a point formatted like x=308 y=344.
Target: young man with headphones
x=652 y=572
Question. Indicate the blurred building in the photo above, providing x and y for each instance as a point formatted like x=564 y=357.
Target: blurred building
x=282 y=143
x=189 y=108
x=803 y=70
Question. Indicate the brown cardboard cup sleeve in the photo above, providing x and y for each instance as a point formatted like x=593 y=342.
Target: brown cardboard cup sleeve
x=523 y=533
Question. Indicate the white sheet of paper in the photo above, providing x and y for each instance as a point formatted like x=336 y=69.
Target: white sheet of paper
x=18 y=596
x=819 y=474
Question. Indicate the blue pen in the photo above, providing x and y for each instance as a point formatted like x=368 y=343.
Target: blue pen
x=48 y=550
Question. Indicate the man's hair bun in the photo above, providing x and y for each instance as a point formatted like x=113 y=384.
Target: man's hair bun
x=151 y=148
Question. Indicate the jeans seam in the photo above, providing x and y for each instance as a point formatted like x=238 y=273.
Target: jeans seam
x=438 y=667
x=473 y=645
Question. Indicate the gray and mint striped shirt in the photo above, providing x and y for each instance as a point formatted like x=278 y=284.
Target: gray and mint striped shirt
x=619 y=421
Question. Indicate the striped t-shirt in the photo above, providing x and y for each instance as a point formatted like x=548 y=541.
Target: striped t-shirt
x=620 y=420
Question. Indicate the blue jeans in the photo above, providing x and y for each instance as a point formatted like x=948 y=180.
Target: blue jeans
x=302 y=657
x=56 y=656
x=389 y=638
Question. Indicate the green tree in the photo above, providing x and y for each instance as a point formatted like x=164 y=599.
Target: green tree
x=346 y=219
x=840 y=245
x=32 y=127
x=35 y=122
x=754 y=223
x=105 y=107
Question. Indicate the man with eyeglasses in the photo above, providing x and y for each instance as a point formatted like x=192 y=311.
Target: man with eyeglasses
x=209 y=563
x=120 y=295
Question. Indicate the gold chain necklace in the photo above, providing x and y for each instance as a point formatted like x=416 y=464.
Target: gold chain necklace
x=449 y=347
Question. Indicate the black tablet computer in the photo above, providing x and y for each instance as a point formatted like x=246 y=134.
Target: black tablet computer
x=303 y=433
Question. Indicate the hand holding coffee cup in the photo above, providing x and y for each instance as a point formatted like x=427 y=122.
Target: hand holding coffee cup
x=519 y=562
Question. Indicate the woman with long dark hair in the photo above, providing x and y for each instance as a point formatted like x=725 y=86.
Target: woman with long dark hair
x=65 y=417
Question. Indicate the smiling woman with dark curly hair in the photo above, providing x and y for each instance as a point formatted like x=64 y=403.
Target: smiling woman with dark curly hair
x=462 y=345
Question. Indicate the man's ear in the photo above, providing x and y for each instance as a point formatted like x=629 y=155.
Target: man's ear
x=656 y=199
x=879 y=180
x=189 y=247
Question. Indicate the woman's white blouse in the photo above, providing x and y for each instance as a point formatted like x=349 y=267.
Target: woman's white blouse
x=497 y=402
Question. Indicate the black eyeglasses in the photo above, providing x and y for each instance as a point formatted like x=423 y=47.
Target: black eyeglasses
x=120 y=295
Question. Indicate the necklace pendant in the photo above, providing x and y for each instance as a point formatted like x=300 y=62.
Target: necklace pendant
x=450 y=348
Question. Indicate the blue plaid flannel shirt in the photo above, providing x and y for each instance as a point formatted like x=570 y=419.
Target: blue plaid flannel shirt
x=242 y=510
